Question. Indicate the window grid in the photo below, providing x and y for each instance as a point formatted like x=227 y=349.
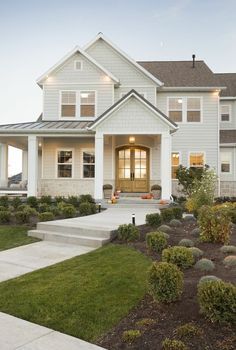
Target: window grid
x=196 y=159
x=175 y=162
x=88 y=164
x=64 y=163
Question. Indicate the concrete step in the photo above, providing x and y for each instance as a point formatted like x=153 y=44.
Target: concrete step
x=75 y=230
x=87 y=241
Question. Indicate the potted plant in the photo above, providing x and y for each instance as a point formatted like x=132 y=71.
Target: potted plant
x=107 y=191
x=156 y=191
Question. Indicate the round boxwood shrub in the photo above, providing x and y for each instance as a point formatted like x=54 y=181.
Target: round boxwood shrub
x=195 y=232
x=165 y=228
x=177 y=212
x=131 y=335
x=180 y=256
x=5 y=216
x=32 y=201
x=170 y=344
x=68 y=211
x=43 y=207
x=4 y=201
x=175 y=223
x=46 y=216
x=128 y=233
x=167 y=214
x=230 y=261
x=2 y=208
x=16 y=202
x=228 y=249
x=22 y=216
x=55 y=210
x=87 y=208
x=197 y=253
x=23 y=207
x=86 y=198
x=156 y=241
x=165 y=282
x=217 y=301
x=46 y=200
x=208 y=278
x=153 y=219
x=73 y=200
x=204 y=265
x=186 y=243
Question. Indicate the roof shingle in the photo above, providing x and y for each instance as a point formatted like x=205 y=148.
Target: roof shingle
x=228 y=80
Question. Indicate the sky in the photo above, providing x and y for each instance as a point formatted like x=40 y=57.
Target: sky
x=35 y=34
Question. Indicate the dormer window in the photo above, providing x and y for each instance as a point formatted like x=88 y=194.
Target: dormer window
x=78 y=65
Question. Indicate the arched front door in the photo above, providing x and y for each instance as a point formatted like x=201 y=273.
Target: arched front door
x=132 y=169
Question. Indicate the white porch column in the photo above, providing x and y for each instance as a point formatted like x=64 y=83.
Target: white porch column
x=32 y=165
x=3 y=165
x=99 y=155
x=24 y=165
x=166 y=165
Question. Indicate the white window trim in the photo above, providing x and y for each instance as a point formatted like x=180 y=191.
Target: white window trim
x=122 y=94
x=180 y=162
x=77 y=106
x=204 y=158
x=81 y=64
x=184 y=108
x=230 y=163
x=82 y=163
x=72 y=164
x=230 y=113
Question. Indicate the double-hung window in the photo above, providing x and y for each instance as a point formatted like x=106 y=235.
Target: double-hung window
x=87 y=104
x=88 y=164
x=225 y=162
x=196 y=160
x=175 y=162
x=68 y=104
x=64 y=163
x=193 y=109
x=225 y=111
x=176 y=109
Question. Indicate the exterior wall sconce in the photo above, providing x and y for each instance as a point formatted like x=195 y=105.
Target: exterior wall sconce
x=131 y=140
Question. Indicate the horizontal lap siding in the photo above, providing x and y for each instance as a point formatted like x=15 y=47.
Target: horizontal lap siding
x=149 y=92
x=200 y=136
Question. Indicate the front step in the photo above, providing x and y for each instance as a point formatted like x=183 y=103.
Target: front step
x=77 y=239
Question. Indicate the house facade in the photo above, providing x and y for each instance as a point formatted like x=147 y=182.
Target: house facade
x=108 y=119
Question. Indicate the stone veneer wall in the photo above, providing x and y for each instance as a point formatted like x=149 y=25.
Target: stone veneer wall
x=58 y=187
x=228 y=188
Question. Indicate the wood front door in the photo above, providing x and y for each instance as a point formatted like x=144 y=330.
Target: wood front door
x=132 y=169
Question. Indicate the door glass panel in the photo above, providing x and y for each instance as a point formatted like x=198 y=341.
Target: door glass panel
x=127 y=173
x=143 y=173
x=137 y=174
x=143 y=154
x=121 y=163
x=127 y=153
x=124 y=164
x=121 y=154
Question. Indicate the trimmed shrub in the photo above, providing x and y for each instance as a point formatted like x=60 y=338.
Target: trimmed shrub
x=43 y=207
x=169 y=344
x=167 y=214
x=145 y=322
x=165 y=282
x=86 y=198
x=16 y=202
x=22 y=217
x=180 y=256
x=59 y=199
x=153 y=219
x=2 y=208
x=46 y=200
x=165 y=228
x=4 y=201
x=23 y=207
x=186 y=243
x=32 y=201
x=204 y=265
x=217 y=301
x=46 y=216
x=230 y=261
x=177 y=212
x=228 y=249
x=175 y=223
x=55 y=210
x=189 y=217
x=187 y=330
x=68 y=211
x=87 y=208
x=197 y=253
x=208 y=278
x=131 y=335
x=73 y=200
x=5 y=216
x=156 y=241
x=128 y=233
x=195 y=232
x=214 y=223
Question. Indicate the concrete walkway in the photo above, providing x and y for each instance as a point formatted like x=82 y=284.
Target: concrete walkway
x=17 y=334
x=18 y=261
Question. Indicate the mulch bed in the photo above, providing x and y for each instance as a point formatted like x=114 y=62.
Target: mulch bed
x=168 y=317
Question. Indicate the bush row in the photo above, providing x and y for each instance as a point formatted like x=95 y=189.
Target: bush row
x=166 y=215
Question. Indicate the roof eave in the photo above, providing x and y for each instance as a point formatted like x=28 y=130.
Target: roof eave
x=193 y=88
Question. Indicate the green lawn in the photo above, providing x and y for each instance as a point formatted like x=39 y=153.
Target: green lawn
x=14 y=236
x=84 y=296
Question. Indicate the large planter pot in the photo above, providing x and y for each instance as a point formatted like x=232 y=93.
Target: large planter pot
x=156 y=194
x=107 y=193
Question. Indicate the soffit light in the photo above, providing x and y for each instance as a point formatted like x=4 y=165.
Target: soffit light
x=131 y=139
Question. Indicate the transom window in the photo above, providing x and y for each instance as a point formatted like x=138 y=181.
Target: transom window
x=175 y=162
x=78 y=65
x=176 y=109
x=87 y=103
x=196 y=160
x=64 y=163
x=68 y=104
x=225 y=162
x=193 y=109
x=88 y=164
x=225 y=111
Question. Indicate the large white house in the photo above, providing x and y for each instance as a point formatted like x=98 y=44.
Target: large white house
x=108 y=119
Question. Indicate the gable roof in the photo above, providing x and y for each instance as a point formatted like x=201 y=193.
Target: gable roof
x=182 y=73
x=101 y=36
x=125 y=98
x=69 y=55
x=228 y=80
